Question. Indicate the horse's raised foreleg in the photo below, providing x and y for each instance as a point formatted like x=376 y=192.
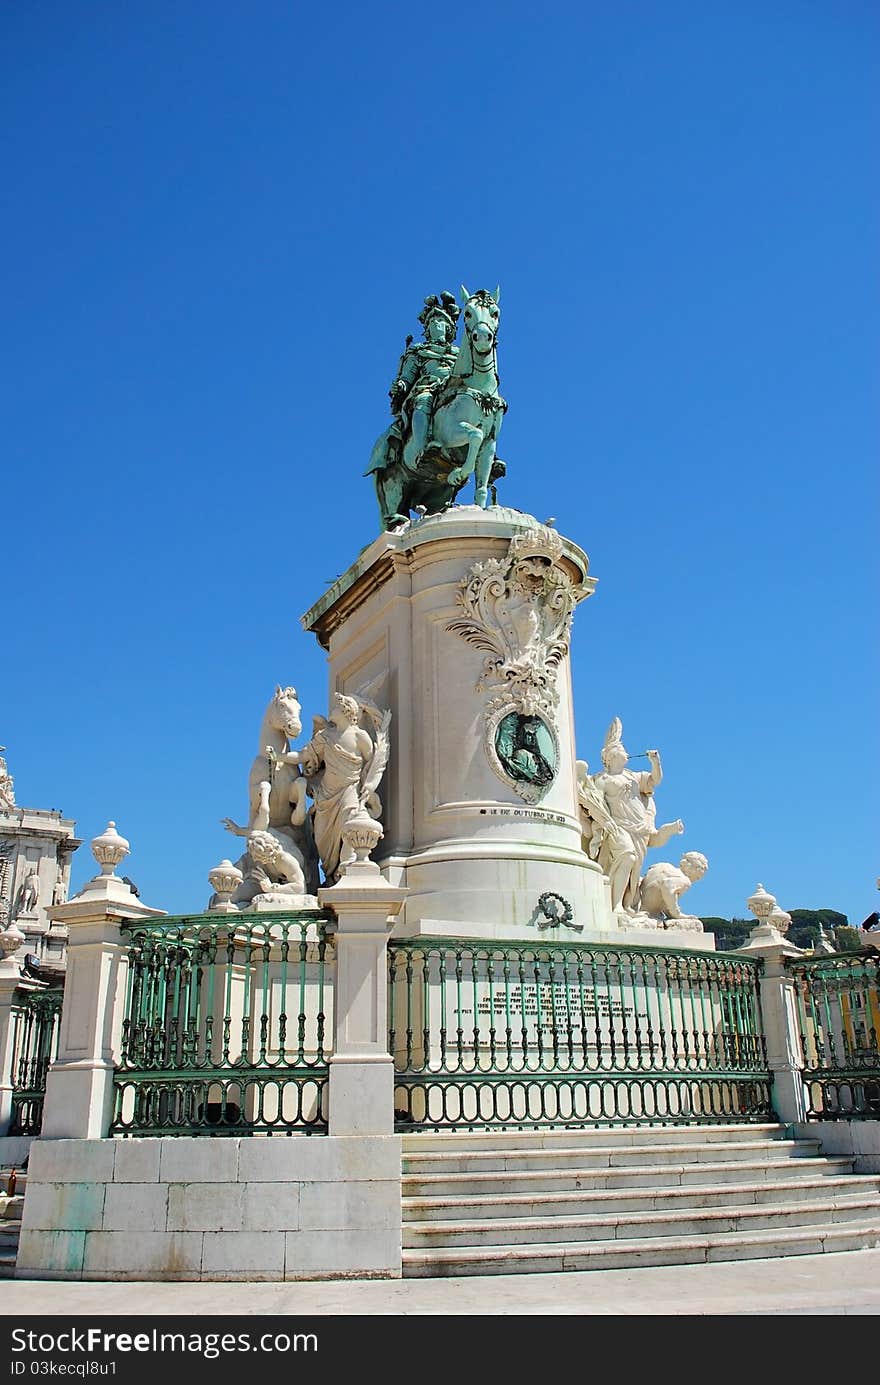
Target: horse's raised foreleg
x=474 y=435
x=298 y=804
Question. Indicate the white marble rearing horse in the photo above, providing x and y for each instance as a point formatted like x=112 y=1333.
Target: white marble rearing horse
x=281 y=724
x=277 y=789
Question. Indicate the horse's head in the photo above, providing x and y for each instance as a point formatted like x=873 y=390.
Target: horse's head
x=481 y=324
x=286 y=712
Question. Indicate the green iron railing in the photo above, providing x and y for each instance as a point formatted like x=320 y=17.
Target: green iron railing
x=838 y=1012
x=227 y=1027
x=514 y=1034
x=36 y=1019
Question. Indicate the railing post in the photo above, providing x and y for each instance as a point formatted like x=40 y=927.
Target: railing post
x=778 y=1007
x=361 y=1095
x=10 y=981
x=79 y=1087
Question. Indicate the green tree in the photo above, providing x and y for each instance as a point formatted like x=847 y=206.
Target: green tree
x=804 y=931
x=805 y=923
x=847 y=940
x=729 y=933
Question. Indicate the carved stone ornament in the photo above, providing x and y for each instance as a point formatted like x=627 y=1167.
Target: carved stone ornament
x=362 y=835
x=7 y=789
x=11 y=939
x=109 y=849
x=518 y=609
x=224 y=880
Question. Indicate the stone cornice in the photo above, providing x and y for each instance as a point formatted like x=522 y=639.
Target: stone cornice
x=346 y=596
x=433 y=539
x=32 y=822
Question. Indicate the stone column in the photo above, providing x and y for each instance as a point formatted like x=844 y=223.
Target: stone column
x=475 y=846
x=10 y=980
x=79 y=1088
x=362 y=1069
x=778 y=1005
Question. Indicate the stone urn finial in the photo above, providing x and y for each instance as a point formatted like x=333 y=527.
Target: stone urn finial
x=761 y=904
x=360 y=836
x=109 y=849
x=779 y=919
x=225 y=880
x=772 y=923
x=11 y=939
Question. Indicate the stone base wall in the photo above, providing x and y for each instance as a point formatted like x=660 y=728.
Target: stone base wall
x=14 y=1149
x=860 y=1139
x=318 y=1207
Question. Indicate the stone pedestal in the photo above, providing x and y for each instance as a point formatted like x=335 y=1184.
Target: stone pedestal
x=781 y=1029
x=474 y=851
x=274 y=900
x=361 y=1069
x=79 y=1087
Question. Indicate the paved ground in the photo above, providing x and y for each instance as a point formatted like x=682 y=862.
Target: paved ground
x=806 y=1284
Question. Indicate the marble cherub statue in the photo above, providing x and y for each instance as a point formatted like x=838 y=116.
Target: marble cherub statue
x=273 y=862
x=278 y=860
x=663 y=885
x=447 y=412
x=343 y=764
x=618 y=804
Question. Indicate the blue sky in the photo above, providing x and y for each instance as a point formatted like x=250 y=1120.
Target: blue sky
x=220 y=222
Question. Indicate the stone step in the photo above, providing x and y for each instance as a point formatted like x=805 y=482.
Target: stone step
x=464 y=1141
x=560 y=1256
x=583 y=1157
x=696 y=1221
x=10 y=1207
x=581 y=1203
x=452 y=1183
x=9 y=1234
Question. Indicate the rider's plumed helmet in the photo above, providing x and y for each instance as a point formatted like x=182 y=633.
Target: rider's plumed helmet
x=444 y=307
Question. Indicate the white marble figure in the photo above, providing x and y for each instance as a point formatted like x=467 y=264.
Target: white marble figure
x=620 y=802
x=28 y=895
x=59 y=891
x=596 y=820
x=343 y=764
x=7 y=791
x=277 y=789
x=283 y=872
x=7 y=855
x=273 y=862
x=663 y=885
